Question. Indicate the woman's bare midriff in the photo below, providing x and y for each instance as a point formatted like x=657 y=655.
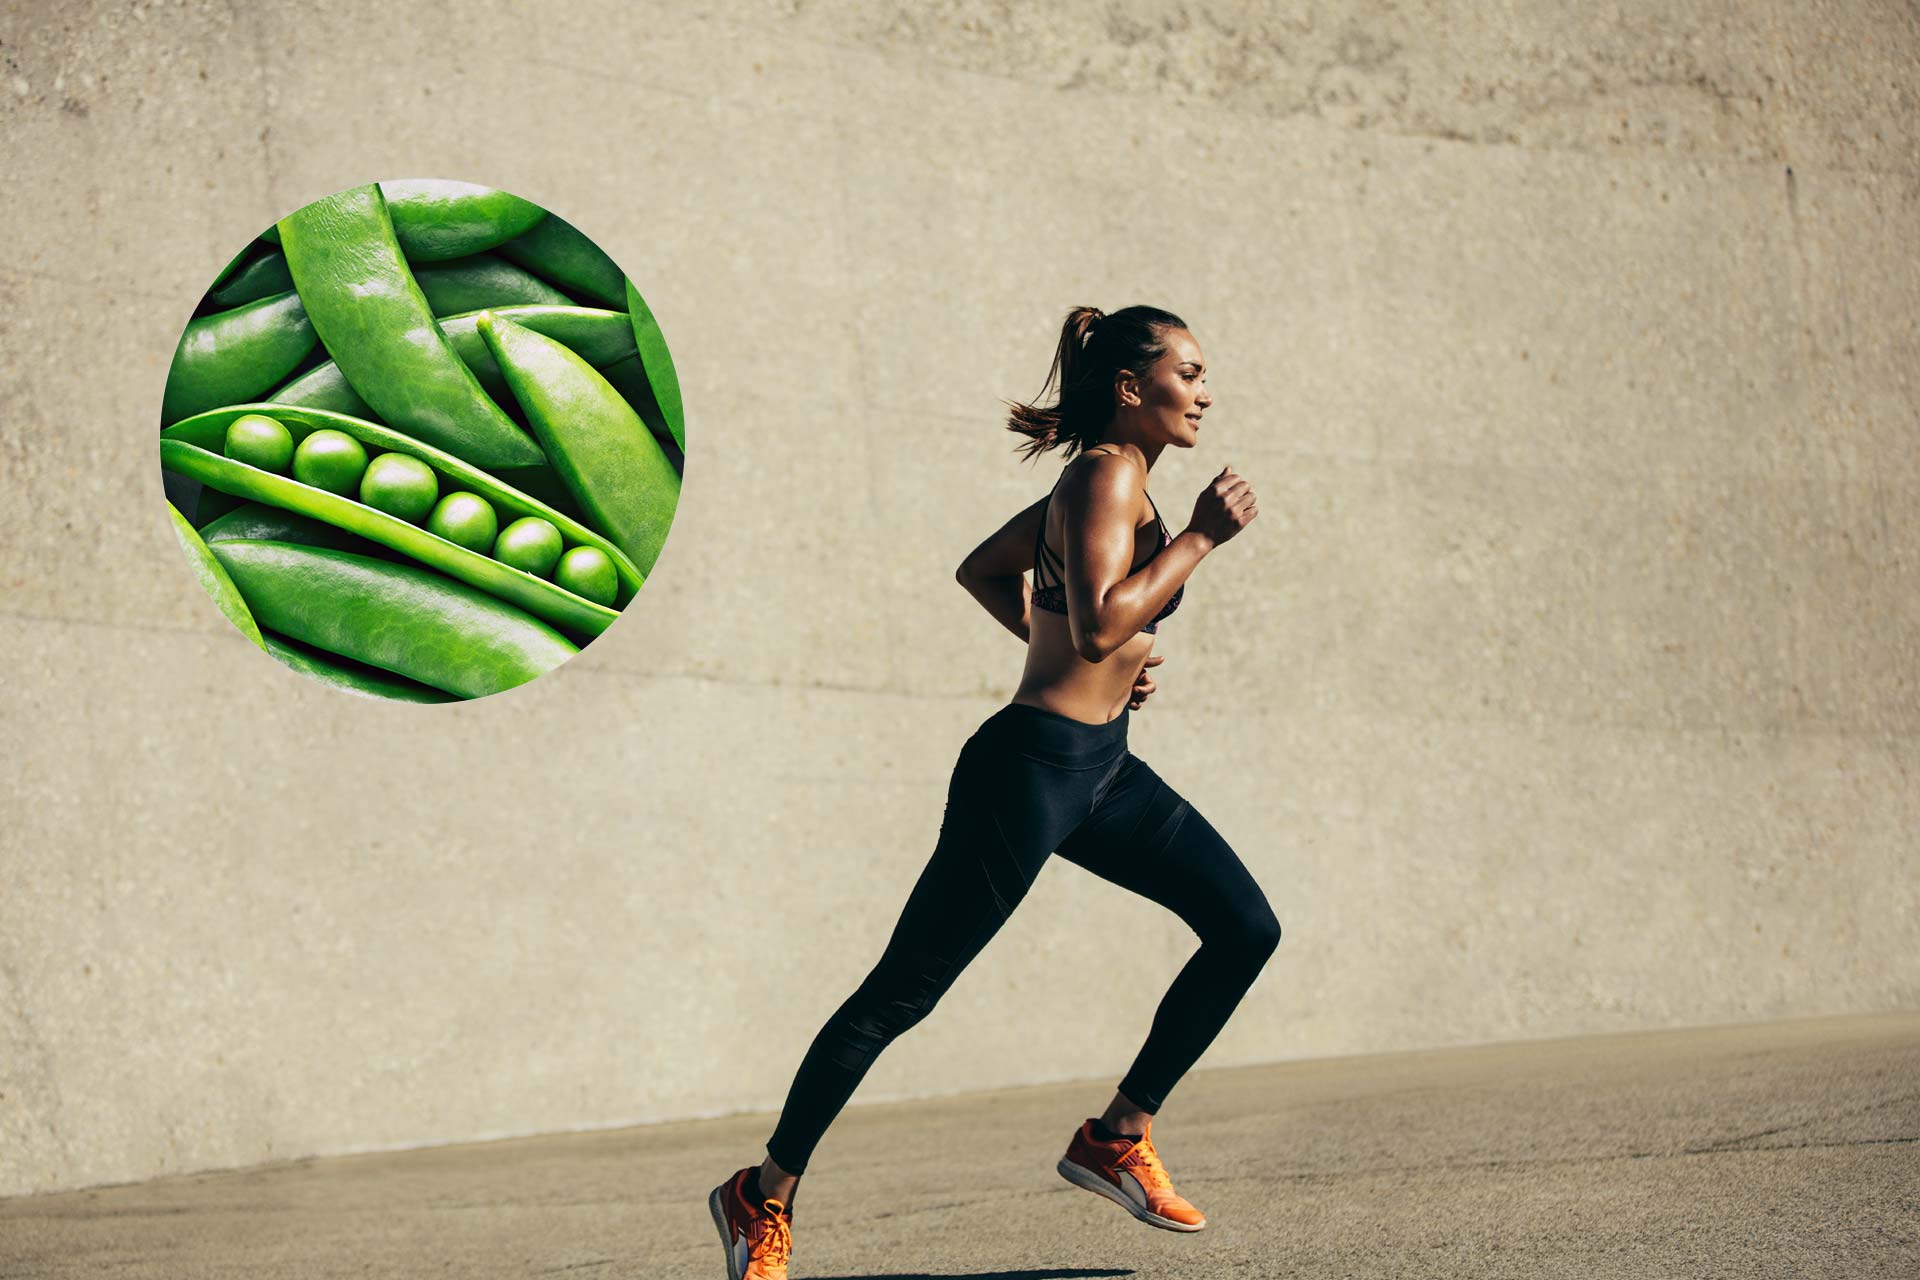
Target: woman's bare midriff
x=1059 y=680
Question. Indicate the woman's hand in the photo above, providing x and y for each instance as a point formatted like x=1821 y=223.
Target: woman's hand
x=1143 y=683
x=1224 y=507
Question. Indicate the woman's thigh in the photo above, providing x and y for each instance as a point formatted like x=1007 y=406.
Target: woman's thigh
x=1145 y=837
x=1005 y=813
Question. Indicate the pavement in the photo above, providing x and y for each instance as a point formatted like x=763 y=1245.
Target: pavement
x=1776 y=1149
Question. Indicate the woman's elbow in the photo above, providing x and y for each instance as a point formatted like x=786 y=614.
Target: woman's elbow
x=1091 y=646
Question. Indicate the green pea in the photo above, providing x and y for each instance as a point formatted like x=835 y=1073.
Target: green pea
x=260 y=441
x=400 y=486
x=587 y=573
x=330 y=460
x=530 y=544
x=466 y=519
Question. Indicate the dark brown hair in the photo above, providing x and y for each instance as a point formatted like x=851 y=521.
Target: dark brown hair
x=1094 y=348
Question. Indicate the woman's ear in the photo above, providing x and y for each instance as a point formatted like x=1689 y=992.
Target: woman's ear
x=1126 y=388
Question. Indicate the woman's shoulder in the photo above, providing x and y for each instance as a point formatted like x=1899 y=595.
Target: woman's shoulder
x=1103 y=473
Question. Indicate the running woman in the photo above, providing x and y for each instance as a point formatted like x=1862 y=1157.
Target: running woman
x=1050 y=772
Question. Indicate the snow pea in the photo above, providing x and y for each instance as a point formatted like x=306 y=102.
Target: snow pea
x=205 y=432
x=233 y=265
x=258 y=522
x=260 y=278
x=377 y=325
x=612 y=464
x=554 y=250
x=435 y=219
x=324 y=387
x=600 y=337
x=658 y=366
x=483 y=280
x=213 y=578
x=400 y=618
x=351 y=677
x=236 y=354
x=629 y=378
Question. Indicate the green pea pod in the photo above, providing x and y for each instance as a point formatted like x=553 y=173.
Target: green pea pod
x=554 y=250
x=235 y=355
x=398 y=617
x=324 y=387
x=233 y=265
x=629 y=378
x=258 y=522
x=612 y=464
x=601 y=337
x=543 y=599
x=351 y=677
x=470 y=284
x=435 y=219
x=264 y=276
x=207 y=431
x=378 y=327
x=214 y=579
x=658 y=365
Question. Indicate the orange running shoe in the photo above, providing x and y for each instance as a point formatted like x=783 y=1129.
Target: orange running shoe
x=759 y=1238
x=1130 y=1174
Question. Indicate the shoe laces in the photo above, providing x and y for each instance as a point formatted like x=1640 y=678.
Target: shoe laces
x=1148 y=1159
x=770 y=1235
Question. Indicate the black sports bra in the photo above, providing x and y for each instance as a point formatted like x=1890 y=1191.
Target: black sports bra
x=1052 y=596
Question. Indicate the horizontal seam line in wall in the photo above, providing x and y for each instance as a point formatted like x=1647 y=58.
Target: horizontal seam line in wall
x=1129 y=97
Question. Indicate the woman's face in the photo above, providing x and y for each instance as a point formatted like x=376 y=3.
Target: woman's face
x=1174 y=393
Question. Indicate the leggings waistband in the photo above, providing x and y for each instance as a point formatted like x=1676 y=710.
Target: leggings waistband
x=1054 y=738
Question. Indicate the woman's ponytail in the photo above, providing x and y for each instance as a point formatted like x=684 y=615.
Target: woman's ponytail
x=1094 y=347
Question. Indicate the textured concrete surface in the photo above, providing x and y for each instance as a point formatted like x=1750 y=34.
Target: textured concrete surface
x=1782 y=1150
x=1565 y=684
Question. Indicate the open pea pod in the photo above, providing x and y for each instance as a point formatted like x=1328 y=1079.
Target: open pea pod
x=208 y=431
x=435 y=219
x=611 y=463
x=376 y=324
x=214 y=579
x=238 y=353
x=398 y=617
x=555 y=250
x=537 y=596
x=351 y=677
x=657 y=367
x=484 y=280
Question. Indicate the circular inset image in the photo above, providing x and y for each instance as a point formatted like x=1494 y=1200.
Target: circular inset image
x=422 y=440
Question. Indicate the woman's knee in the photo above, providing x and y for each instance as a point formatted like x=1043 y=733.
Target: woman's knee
x=1249 y=929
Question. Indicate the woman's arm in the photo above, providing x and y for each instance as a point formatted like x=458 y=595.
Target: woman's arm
x=995 y=572
x=1105 y=607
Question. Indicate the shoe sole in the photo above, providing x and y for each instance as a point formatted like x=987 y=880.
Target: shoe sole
x=1091 y=1181
x=717 y=1206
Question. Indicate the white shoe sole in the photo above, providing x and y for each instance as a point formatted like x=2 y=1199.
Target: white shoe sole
x=718 y=1208
x=1093 y=1182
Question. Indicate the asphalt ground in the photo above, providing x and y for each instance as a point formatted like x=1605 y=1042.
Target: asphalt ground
x=1777 y=1149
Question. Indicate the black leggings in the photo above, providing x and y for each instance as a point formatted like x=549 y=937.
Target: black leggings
x=1030 y=783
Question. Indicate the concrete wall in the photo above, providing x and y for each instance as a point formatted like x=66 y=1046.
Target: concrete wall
x=1565 y=684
